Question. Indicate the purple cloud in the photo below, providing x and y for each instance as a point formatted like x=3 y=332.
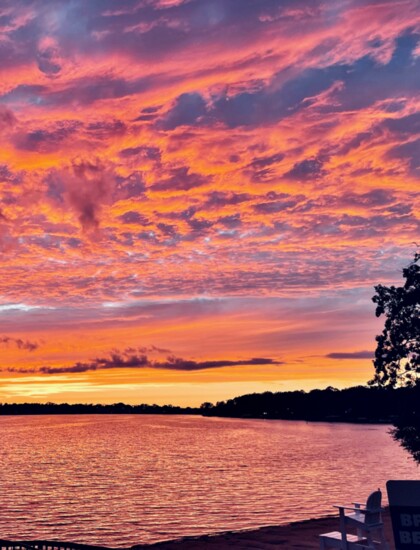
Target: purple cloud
x=181 y=179
x=133 y=358
x=308 y=169
x=19 y=343
x=186 y=110
x=351 y=355
x=7 y=118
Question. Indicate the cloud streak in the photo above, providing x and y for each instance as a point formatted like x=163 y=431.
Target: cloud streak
x=130 y=359
x=351 y=355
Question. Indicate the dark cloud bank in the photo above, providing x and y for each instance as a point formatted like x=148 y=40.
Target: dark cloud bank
x=135 y=359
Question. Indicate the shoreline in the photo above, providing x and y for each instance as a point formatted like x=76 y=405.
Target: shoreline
x=327 y=420
x=298 y=535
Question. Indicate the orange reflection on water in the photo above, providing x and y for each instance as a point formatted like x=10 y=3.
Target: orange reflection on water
x=124 y=480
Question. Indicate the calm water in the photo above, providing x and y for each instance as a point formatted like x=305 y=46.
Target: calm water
x=122 y=480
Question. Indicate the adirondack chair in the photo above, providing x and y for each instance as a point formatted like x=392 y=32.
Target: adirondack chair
x=366 y=521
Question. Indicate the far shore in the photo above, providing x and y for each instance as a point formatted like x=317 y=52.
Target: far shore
x=355 y=405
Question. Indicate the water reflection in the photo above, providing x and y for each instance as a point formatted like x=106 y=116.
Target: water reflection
x=122 y=480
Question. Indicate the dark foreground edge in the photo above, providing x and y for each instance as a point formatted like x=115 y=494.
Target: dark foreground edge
x=300 y=535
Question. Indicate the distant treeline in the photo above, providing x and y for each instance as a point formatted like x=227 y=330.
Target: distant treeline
x=116 y=408
x=357 y=404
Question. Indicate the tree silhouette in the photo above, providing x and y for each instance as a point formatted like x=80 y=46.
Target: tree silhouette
x=407 y=432
x=397 y=355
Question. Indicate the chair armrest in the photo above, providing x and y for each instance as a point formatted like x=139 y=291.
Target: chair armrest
x=353 y=508
x=360 y=510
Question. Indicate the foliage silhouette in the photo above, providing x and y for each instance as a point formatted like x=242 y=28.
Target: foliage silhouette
x=397 y=355
x=357 y=404
x=407 y=432
x=84 y=408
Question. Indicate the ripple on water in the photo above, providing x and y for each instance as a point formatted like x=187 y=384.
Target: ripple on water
x=123 y=480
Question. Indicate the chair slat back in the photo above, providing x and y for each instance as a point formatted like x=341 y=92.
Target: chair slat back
x=373 y=508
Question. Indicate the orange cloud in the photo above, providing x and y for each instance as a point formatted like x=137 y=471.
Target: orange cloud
x=202 y=162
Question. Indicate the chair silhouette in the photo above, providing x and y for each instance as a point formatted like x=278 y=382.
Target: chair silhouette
x=364 y=521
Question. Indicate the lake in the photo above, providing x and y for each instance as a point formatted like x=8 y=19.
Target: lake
x=120 y=480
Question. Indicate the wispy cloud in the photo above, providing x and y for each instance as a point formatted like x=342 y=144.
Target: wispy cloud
x=351 y=355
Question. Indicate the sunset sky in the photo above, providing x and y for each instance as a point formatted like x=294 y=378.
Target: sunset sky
x=198 y=196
